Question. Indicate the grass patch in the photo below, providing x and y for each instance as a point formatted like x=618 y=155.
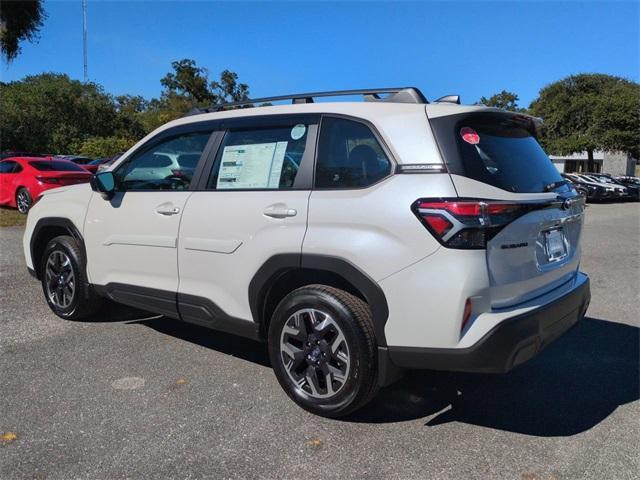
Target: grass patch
x=10 y=217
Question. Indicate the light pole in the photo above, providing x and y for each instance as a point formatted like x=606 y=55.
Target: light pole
x=84 y=38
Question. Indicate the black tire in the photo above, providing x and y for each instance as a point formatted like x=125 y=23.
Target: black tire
x=352 y=317
x=23 y=200
x=83 y=302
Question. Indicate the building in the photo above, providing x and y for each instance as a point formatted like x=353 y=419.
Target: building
x=614 y=163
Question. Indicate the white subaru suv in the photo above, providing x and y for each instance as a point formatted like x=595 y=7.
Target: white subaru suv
x=358 y=239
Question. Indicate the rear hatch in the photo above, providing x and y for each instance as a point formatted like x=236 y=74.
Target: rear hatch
x=532 y=217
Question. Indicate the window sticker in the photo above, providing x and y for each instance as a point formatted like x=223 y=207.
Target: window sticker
x=298 y=131
x=469 y=135
x=251 y=166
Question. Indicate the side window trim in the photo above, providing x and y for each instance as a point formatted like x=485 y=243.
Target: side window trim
x=383 y=145
x=304 y=178
x=203 y=170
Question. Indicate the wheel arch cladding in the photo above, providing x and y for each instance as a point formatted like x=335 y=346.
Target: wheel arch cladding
x=45 y=230
x=283 y=273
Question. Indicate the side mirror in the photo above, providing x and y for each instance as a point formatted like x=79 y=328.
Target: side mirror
x=105 y=183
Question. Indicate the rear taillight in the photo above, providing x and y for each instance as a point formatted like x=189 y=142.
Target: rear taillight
x=51 y=180
x=468 y=224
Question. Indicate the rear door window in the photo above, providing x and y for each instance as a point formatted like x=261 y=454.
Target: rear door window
x=349 y=156
x=497 y=149
x=267 y=158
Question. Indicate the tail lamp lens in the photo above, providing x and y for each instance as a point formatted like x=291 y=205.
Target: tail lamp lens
x=467 y=224
x=438 y=223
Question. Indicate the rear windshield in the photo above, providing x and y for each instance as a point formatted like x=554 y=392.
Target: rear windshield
x=496 y=149
x=56 y=166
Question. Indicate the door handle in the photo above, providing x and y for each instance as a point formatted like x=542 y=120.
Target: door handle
x=279 y=210
x=167 y=209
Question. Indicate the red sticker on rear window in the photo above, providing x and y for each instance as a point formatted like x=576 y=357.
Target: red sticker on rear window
x=469 y=135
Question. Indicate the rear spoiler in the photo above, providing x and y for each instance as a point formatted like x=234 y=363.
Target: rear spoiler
x=531 y=123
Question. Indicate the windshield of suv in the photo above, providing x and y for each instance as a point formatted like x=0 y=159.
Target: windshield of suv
x=498 y=149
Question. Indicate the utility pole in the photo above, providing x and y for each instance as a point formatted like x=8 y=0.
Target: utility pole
x=84 y=39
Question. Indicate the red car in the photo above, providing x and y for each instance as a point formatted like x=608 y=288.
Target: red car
x=23 y=179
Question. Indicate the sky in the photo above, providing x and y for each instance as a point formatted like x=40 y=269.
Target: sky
x=471 y=49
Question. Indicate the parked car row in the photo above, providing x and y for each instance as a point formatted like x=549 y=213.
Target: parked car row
x=604 y=187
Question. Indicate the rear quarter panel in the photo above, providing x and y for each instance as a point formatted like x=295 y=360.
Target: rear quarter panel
x=374 y=228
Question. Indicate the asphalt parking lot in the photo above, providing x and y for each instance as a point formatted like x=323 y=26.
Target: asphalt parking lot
x=129 y=397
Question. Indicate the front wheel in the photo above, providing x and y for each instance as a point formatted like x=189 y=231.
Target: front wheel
x=323 y=351
x=64 y=280
x=23 y=200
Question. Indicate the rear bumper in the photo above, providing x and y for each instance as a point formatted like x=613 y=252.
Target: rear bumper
x=510 y=343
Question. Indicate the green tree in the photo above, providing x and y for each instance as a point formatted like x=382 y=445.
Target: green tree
x=192 y=82
x=96 y=147
x=130 y=111
x=589 y=112
x=505 y=100
x=166 y=108
x=51 y=113
x=19 y=20
x=228 y=89
x=188 y=80
x=187 y=87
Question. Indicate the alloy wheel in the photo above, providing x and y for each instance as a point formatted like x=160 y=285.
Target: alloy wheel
x=23 y=201
x=59 y=279
x=315 y=353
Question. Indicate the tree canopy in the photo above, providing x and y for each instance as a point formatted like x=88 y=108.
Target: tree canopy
x=505 y=99
x=51 y=113
x=588 y=112
x=19 y=20
x=188 y=87
x=190 y=81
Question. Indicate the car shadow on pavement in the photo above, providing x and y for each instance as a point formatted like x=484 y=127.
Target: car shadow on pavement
x=226 y=343
x=233 y=345
x=570 y=387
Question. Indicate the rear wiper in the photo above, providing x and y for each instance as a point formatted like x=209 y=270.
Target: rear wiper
x=554 y=185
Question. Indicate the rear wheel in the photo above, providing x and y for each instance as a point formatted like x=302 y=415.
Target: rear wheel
x=323 y=351
x=23 y=200
x=64 y=280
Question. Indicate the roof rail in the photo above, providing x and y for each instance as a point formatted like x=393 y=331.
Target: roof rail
x=394 y=95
